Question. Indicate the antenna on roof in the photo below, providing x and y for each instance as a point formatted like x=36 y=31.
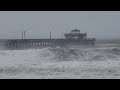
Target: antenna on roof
x=75 y=27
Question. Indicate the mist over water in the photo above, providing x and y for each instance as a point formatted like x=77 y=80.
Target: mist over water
x=101 y=61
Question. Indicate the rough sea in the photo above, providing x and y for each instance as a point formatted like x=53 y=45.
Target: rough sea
x=99 y=62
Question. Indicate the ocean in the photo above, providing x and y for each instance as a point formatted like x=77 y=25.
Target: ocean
x=99 y=62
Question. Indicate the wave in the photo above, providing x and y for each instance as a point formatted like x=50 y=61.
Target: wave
x=65 y=54
x=60 y=63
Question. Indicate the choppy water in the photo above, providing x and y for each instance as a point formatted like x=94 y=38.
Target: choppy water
x=103 y=61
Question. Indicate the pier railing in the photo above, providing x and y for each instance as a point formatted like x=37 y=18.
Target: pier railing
x=41 y=43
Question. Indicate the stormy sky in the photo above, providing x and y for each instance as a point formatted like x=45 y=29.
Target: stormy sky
x=38 y=24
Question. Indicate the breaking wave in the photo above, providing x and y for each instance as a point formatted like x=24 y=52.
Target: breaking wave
x=60 y=62
x=96 y=54
x=59 y=54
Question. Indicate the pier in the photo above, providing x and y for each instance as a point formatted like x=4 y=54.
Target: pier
x=72 y=38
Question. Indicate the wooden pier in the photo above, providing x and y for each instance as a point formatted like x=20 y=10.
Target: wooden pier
x=42 y=43
x=72 y=38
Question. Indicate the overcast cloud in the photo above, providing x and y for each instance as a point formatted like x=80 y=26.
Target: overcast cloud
x=38 y=24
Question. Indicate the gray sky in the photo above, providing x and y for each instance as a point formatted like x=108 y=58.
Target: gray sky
x=38 y=24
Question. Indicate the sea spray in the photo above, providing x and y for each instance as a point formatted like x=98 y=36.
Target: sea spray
x=60 y=63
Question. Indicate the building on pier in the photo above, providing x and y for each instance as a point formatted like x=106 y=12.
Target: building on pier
x=75 y=34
